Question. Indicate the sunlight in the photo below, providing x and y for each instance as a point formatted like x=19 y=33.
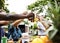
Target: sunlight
x=18 y=6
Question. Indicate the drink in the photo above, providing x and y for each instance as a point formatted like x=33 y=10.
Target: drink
x=4 y=40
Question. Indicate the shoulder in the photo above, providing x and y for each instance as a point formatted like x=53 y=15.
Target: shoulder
x=39 y=23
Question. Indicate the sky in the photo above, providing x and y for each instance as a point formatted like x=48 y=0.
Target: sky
x=18 y=6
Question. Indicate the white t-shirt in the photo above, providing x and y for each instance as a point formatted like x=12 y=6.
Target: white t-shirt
x=40 y=25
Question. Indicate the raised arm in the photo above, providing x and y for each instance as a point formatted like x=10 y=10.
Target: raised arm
x=9 y=17
x=14 y=16
x=45 y=24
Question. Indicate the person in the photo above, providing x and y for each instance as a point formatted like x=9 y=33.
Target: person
x=1 y=29
x=6 y=18
x=43 y=21
x=13 y=31
x=42 y=25
x=41 y=28
x=2 y=32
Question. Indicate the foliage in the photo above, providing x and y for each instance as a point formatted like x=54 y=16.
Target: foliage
x=37 y=6
x=3 y=6
x=53 y=8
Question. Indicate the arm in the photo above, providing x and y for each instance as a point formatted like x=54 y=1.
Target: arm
x=15 y=16
x=4 y=22
x=15 y=23
x=12 y=17
x=45 y=24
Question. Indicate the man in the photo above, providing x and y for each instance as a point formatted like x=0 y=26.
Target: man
x=13 y=31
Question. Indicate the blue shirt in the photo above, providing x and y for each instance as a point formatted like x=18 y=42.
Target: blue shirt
x=2 y=32
x=13 y=32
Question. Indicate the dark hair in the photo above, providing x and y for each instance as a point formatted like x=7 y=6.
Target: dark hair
x=32 y=17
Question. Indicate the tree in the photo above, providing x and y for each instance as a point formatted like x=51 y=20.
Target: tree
x=37 y=6
x=2 y=6
x=53 y=8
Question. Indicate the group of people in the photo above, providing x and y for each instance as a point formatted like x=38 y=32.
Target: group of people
x=14 y=32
